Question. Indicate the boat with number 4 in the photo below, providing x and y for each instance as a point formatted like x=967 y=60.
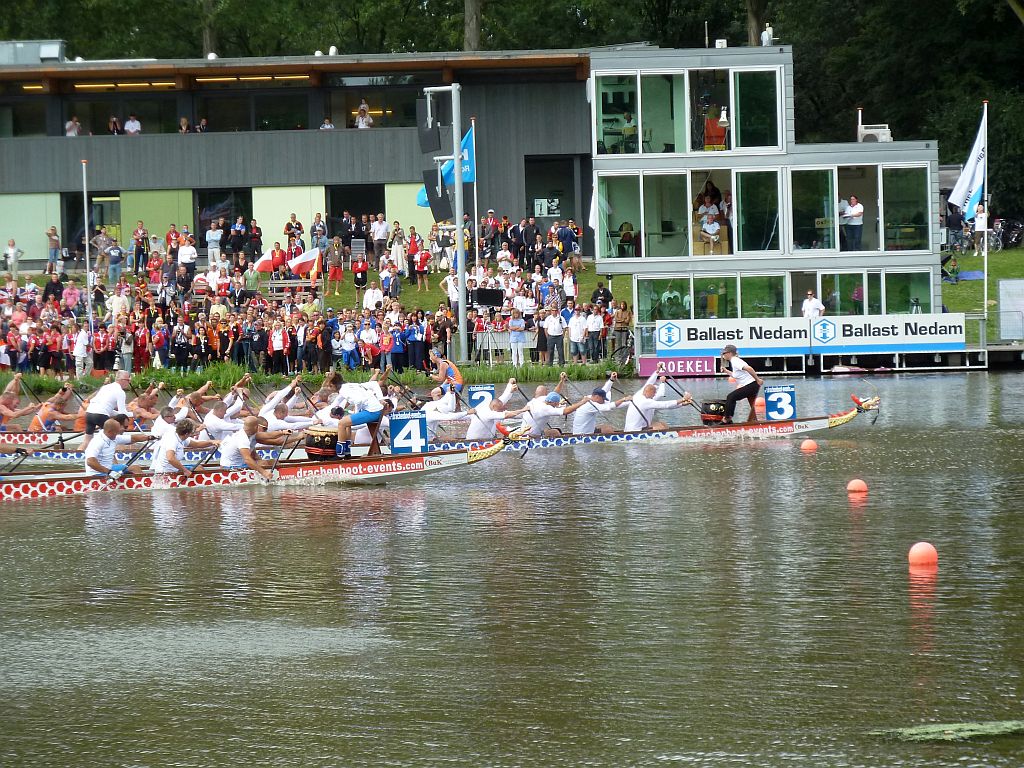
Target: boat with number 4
x=358 y=469
x=704 y=433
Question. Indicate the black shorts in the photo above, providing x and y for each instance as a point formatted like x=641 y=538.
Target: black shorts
x=94 y=422
x=359 y=280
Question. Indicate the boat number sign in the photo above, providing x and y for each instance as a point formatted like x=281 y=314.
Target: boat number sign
x=479 y=394
x=409 y=432
x=780 y=402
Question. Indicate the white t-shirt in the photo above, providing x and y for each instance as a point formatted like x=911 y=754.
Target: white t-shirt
x=133 y=126
x=103 y=449
x=379 y=230
x=169 y=442
x=231 y=449
x=742 y=376
x=82 y=343
x=855 y=215
x=980 y=221
x=812 y=308
x=710 y=210
x=554 y=325
x=108 y=400
x=187 y=254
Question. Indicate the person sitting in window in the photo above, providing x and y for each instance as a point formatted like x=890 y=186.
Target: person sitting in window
x=626 y=237
x=203 y=126
x=133 y=127
x=184 y=126
x=363 y=119
x=114 y=126
x=629 y=134
x=709 y=229
x=327 y=125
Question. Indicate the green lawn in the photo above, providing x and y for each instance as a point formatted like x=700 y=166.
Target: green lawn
x=968 y=295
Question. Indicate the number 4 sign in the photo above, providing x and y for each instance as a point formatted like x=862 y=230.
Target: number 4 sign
x=409 y=432
x=780 y=402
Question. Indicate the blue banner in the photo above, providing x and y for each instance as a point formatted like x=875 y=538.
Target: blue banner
x=448 y=169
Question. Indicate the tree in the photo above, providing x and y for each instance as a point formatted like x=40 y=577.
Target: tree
x=471 y=33
x=756 y=12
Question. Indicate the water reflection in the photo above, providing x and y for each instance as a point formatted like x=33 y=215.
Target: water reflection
x=613 y=605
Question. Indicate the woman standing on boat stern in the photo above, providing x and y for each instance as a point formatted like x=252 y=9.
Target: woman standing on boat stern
x=747 y=381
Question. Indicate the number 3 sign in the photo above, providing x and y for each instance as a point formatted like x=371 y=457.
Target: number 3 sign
x=780 y=402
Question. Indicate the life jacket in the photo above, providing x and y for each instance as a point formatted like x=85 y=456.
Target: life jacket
x=456 y=373
x=80 y=417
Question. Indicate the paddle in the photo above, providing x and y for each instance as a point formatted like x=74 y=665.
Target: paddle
x=28 y=389
x=672 y=386
x=20 y=455
x=135 y=457
x=407 y=393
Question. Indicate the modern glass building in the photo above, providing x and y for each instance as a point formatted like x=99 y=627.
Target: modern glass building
x=670 y=126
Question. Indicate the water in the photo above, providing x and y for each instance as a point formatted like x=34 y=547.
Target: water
x=613 y=605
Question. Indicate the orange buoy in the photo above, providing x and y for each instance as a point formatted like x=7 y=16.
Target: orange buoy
x=923 y=554
x=759 y=402
x=809 y=446
x=856 y=486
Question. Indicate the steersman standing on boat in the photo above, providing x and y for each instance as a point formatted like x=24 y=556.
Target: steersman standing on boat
x=108 y=400
x=747 y=381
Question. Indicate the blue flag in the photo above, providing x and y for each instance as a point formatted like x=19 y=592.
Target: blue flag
x=448 y=169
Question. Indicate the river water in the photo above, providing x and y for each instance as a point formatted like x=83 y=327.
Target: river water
x=613 y=605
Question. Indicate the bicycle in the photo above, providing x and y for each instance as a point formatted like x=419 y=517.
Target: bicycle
x=624 y=354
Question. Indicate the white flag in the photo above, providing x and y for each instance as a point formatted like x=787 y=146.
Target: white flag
x=971 y=185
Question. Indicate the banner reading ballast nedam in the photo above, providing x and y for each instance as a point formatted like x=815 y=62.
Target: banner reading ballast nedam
x=782 y=336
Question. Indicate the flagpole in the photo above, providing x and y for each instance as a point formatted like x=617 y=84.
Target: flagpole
x=476 y=201
x=85 y=239
x=988 y=218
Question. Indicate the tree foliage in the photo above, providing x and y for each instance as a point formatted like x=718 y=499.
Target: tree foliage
x=923 y=66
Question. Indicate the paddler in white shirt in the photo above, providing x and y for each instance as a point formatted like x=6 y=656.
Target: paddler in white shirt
x=544 y=406
x=645 y=404
x=599 y=401
x=220 y=421
x=170 y=451
x=483 y=424
x=238 y=450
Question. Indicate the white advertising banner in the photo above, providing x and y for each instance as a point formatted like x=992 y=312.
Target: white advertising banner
x=779 y=337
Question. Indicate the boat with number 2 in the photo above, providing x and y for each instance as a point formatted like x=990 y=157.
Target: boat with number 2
x=362 y=469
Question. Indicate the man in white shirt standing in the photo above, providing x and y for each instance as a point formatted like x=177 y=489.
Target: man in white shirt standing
x=380 y=230
x=854 y=214
x=133 y=127
x=82 y=353
x=187 y=256
x=372 y=296
x=578 y=336
x=554 y=327
x=812 y=307
x=108 y=400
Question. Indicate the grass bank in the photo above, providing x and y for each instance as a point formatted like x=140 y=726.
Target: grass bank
x=224 y=375
x=969 y=295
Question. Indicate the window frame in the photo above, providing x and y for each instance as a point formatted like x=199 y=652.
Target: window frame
x=930 y=219
x=784 y=212
x=791 y=239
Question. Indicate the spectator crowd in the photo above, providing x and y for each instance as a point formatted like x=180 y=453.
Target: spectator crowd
x=181 y=300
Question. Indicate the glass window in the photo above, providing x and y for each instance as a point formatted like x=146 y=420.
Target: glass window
x=763 y=295
x=874 y=293
x=908 y=293
x=229 y=203
x=23 y=118
x=757 y=109
x=757 y=210
x=709 y=104
x=389 y=107
x=843 y=294
x=814 y=222
x=156 y=115
x=665 y=215
x=664 y=113
x=225 y=112
x=645 y=339
x=860 y=182
x=619 y=219
x=714 y=297
x=282 y=112
x=616 y=128
x=905 y=201
x=663 y=299
x=93 y=114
